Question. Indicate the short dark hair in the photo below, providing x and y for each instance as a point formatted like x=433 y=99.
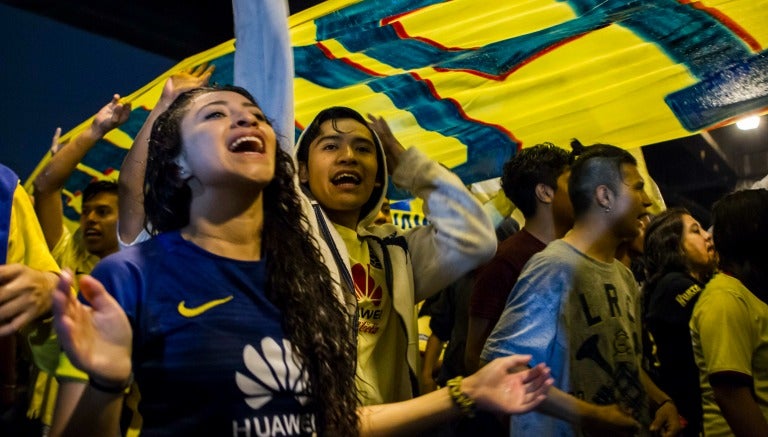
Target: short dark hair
x=598 y=164
x=97 y=187
x=539 y=164
x=740 y=234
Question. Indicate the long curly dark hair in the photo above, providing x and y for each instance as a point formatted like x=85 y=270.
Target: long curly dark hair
x=663 y=247
x=298 y=282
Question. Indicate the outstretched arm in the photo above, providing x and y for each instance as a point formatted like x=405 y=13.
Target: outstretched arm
x=131 y=179
x=264 y=60
x=97 y=339
x=598 y=419
x=51 y=179
x=494 y=388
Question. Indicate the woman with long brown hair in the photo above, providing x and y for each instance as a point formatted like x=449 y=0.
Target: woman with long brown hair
x=228 y=317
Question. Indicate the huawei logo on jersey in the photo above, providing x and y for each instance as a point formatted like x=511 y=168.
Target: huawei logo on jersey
x=365 y=287
x=274 y=371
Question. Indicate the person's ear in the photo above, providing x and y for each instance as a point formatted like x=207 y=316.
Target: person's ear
x=544 y=193
x=604 y=197
x=303 y=173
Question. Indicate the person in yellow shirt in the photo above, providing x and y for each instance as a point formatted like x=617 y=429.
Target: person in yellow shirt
x=28 y=275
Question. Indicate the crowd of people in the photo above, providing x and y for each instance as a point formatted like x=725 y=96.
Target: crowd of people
x=233 y=283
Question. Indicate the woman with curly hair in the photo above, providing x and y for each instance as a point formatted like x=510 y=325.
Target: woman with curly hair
x=679 y=259
x=227 y=329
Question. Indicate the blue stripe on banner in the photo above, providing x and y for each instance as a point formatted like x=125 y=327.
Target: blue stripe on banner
x=713 y=99
x=77 y=181
x=499 y=58
x=312 y=64
x=225 y=69
x=69 y=212
x=487 y=147
x=135 y=121
x=687 y=35
x=385 y=45
x=496 y=59
x=709 y=50
x=110 y=157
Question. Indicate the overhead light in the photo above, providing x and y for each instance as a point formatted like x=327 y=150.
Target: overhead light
x=748 y=123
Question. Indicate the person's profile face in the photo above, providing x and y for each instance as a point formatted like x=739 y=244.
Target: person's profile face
x=697 y=245
x=631 y=203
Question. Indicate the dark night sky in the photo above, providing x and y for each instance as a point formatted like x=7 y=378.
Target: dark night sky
x=57 y=75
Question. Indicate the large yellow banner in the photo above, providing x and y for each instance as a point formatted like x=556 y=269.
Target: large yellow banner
x=470 y=82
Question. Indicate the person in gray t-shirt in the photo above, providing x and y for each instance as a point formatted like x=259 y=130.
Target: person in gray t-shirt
x=576 y=308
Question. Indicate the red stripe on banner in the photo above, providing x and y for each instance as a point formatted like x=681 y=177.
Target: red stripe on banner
x=403 y=34
x=391 y=18
x=520 y=65
x=347 y=61
x=464 y=115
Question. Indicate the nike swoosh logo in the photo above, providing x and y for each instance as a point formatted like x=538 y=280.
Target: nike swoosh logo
x=196 y=311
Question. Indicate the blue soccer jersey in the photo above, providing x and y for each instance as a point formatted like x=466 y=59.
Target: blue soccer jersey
x=209 y=353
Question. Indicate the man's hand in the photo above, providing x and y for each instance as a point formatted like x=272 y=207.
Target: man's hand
x=666 y=421
x=25 y=294
x=392 y=147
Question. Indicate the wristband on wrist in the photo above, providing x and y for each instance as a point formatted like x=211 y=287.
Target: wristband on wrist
x=110 y=388
x=464 y=402
x=665 y=401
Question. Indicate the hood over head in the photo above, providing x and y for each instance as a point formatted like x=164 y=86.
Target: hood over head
x=301 y=154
